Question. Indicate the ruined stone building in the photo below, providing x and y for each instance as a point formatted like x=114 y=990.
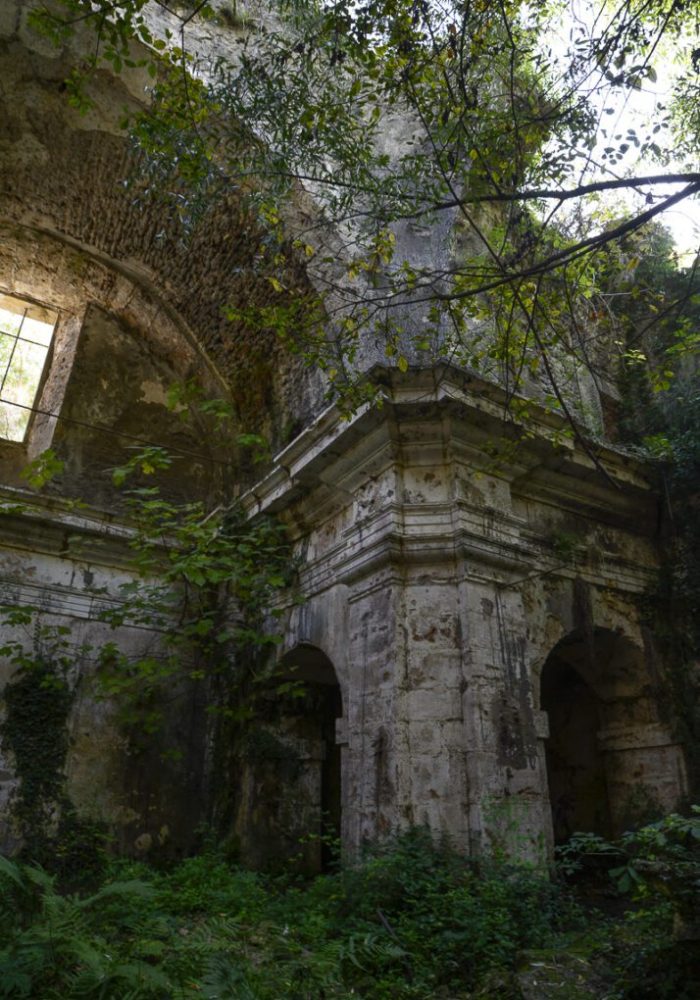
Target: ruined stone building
x=468 y=673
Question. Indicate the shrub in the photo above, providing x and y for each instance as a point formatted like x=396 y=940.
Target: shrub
x=410 y=921
x=655 y=953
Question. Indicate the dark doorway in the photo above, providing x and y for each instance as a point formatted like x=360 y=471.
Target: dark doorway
x=331 y=710
x=575 y=766
x=609 y=754
x=311 y=709
x=288 y=794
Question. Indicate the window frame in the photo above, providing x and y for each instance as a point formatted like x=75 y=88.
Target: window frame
x=28 y=308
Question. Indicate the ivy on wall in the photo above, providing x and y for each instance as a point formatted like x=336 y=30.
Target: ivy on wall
x=204 y=583
x=34 y=733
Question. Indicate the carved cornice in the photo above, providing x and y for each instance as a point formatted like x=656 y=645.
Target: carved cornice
x=542 y=463
x=52 y=526
x=425 y=422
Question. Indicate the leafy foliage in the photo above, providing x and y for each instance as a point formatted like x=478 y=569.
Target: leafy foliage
x=407 y=922
x=207 y=581
x=654 y=952
x=652 y=309
x=34 y=732
x=392 y=115
x=204 y=583
x=411 y=920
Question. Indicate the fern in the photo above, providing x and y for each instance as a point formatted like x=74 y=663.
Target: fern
x=53 y=949
x=223 y=979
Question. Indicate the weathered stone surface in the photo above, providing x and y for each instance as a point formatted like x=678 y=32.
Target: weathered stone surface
x=455 y=604
x=471 y=633
x=69 y=567
x=64 y=175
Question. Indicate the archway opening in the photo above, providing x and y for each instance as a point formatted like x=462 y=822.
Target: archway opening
x=288 y=791
x=575 y=766
x=611 y=761
x=313 y=685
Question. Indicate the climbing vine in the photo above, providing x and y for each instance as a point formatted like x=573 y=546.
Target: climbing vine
x=34 y=732
x=207 y=581
x=204 y=584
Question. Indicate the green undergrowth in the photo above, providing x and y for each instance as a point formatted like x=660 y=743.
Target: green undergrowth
x=411 y=921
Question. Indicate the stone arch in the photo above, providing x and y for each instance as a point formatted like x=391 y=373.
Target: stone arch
x=116 y=351
x=309 y=666
x=611 y=759
x=290 y=798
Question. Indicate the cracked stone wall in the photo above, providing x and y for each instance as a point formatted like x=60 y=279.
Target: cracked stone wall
x=69 y=565
x=140 y=309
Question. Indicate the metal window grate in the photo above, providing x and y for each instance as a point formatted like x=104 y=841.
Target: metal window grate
x=26 y=332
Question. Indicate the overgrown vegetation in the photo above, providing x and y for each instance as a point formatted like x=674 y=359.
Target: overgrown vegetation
x=392 y=114
x=652 y=308
x=204 y=580
x=204 y=584
x=413 y=920
x=34 y=733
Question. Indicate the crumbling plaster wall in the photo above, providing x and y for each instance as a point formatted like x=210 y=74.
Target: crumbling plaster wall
x=117 y=351
x=69 y=565
x=139 y=309
x=71 y=237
